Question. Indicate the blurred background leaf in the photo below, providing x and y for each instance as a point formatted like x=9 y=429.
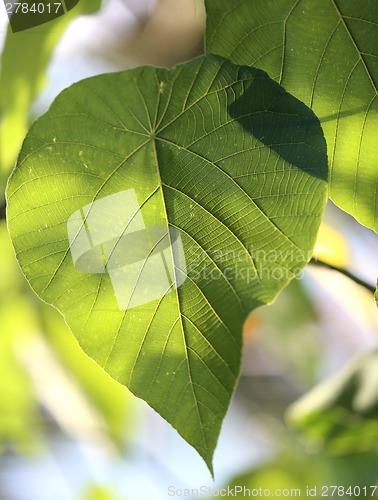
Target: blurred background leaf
x=23 y=64
x=299 y=470
x=342 y=411
x=18 y=413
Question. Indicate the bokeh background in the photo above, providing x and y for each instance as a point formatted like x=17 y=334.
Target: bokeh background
x=306 y=409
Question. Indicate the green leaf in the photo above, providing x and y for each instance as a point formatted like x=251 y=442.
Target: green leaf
x=343 y=409
x=325 y=53
x=24 y=61
x=155 y=208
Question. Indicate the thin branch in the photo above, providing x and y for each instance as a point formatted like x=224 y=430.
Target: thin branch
x=346 y=273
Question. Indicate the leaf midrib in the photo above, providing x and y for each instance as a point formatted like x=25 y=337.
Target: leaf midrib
x=180 y=315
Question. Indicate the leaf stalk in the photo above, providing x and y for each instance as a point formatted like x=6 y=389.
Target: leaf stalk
x=345 y=272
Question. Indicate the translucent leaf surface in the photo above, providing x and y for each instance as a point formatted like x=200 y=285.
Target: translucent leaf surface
x=155 y=208
x=324 y=52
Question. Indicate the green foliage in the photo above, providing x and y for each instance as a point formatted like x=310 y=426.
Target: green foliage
x=219 y=153
x=296 y=473
x=17 y=409
x=325 y=53
x=24 y=61
x=343 y=409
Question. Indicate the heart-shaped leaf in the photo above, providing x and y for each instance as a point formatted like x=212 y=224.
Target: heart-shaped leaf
x=325 y=52
x=155 y=209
